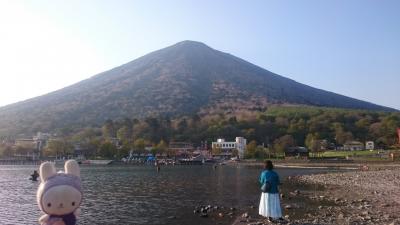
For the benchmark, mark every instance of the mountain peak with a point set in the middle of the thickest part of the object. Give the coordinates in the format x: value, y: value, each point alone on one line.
x: 186, y: 78
x: 190, y: 45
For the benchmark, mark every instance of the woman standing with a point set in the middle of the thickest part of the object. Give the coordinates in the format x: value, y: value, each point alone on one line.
x: 270, y: 205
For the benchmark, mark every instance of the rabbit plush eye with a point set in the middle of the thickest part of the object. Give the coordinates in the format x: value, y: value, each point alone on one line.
x: 49, y: 204
x: 73, y: 203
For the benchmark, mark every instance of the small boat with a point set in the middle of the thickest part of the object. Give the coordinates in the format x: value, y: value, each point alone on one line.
x: 190, y: 162
x: 59, y: 161
x: 97, y: 162
x: 210, y: 161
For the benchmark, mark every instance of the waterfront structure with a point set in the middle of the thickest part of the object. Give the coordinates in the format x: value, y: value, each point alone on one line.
x: 34, y: 146
x: 297, y: 152
x: 27, y: 143
x: 353, y: 146
x: 41, y: 140
x: 369, y: 145
x: 228, y: 147
x: 26, y: 148
x: 181, y: 149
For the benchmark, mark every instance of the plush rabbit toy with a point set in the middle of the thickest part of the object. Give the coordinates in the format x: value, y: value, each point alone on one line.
x: 60, y: 194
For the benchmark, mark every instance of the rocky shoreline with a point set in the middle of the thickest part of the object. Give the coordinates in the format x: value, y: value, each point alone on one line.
x: 355, y: 197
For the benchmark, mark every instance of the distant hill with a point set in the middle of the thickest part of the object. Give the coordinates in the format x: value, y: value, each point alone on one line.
x: 186, y: 78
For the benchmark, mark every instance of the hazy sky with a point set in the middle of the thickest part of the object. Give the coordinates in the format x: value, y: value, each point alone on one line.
x: 351, y: 47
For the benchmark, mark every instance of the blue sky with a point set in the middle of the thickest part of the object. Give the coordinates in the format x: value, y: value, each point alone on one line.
x: 350, y: 47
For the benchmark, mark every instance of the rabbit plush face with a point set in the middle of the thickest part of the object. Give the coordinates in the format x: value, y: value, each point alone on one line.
x: 61, y: 200
x: 59, y: 193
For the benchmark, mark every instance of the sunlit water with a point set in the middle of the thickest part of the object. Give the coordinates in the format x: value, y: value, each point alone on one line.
x: 138, y: 194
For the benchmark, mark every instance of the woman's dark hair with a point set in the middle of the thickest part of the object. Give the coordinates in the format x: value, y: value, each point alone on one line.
x: 268, y: 165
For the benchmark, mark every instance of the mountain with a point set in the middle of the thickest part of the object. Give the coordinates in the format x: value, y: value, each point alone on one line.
x: 186, y: 78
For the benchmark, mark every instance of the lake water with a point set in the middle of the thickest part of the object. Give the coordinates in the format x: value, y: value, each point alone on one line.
x: 140, y: 195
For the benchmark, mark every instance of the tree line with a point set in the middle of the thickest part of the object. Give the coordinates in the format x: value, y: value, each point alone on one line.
x: 276, y: 129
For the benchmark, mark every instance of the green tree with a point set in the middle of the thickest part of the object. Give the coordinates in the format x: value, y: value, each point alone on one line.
x: 92, y: 148
x: 108, y: 150
x: 153, y: 129
x: 89, y: 141
x: 376, y: 130
x: 315, y: 145
x: 123, y: 151
x: 139, y: 145
x: 389, y: 129
x: 309, y: 140
x: 22, y: 150
x: 124, y: 134
x: 250, y: 149
x: 342, y: 136
x: 85, y: 135
x: 283, y: 143
x: 6, y: 151
x: 58, y: 147
x: 361, y: 128
x: 260, y: 153
x: 161, y: 147
x: 108, y: 129
x: 298, y: 129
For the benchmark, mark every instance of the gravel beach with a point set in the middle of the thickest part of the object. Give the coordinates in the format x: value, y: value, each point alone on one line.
x: 355, y: 197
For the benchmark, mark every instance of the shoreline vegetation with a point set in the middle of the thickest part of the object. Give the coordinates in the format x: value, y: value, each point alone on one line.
x: 269, y: 133
x: 360, y: 196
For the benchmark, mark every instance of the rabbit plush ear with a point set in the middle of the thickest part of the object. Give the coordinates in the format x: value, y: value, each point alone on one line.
x: 47, y: 170
x: 72, y: 167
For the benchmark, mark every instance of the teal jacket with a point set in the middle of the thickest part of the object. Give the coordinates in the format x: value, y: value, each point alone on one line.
x: 272, y: 177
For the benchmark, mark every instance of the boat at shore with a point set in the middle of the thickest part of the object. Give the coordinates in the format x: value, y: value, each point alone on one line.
x: 190, y: 162
x: 97, y: 162
x: 198, y: 160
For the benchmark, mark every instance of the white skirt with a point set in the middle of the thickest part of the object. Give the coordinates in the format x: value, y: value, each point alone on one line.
x: 270, y: 205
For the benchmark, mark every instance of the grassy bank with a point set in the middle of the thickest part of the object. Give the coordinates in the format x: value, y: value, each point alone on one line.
x: 365, y: 153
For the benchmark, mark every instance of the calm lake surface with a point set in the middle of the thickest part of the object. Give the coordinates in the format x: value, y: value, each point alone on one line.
x: 140, y: 195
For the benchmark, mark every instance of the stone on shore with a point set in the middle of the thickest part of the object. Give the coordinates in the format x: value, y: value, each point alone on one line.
x: 357, y: 197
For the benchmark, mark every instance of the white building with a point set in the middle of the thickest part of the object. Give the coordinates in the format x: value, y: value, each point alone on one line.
x: 228, y: 146
x: 369, y: 145
x: 41, y: 140
x: 353, y: 146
